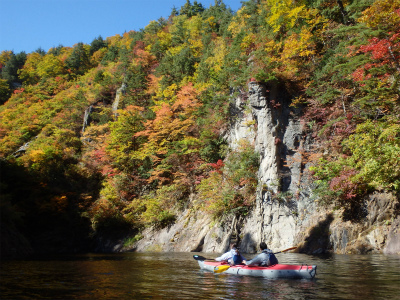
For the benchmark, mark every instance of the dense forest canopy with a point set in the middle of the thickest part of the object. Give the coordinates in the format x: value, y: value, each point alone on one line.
x: 136, y: 162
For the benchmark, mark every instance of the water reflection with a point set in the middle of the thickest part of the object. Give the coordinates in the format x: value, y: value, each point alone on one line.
x: 177, y: 276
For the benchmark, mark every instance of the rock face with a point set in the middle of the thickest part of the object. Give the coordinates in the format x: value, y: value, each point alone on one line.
x: 86, y: 117
x: 283, y: 203
x: 191, y: 232
x: 117, y: 99
x: 285, y: 214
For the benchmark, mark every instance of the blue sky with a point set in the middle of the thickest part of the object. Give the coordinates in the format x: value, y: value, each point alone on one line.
x: 26, y: 25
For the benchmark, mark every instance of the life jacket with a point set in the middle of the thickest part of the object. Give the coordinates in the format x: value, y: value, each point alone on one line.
x: 237, y: 258
x: 272, y: 259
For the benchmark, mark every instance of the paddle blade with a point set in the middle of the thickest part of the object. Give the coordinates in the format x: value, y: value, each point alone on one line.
x: 285, y: 250
x: 289, y: 249
x: 221, y: 269
x: 198, y: 257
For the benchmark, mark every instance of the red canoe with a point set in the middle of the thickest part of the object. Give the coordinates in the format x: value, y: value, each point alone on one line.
x: 275, y: 271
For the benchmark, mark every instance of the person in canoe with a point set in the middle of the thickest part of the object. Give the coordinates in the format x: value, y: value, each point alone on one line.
x: 233, y: 256
x: 265, y: 258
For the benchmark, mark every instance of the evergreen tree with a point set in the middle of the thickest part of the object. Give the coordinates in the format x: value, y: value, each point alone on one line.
x: 5, y: 91
x: 41, y: 51
x: 55, y: 50
x: 191, y: 10
x: 174, y: 12
x: 111, y: 55
x: 221, y: 14
x: 10, y: 70
x: 78, y: 61
x: 97, y: 44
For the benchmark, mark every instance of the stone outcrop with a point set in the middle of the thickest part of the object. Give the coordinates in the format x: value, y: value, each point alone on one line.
x: 286, y: 213
x: 191, y: 232
x: 86, y: 117
x: 21, y: 150
x: 117, y: 99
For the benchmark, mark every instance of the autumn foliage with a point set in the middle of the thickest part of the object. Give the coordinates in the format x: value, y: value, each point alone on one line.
x: 137, y: 163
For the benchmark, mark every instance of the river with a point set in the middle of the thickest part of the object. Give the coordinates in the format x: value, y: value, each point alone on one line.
x: 177, y: 276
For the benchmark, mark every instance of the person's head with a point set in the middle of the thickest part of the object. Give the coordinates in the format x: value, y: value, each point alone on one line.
x: 234, y: 246
x: 263, y: 246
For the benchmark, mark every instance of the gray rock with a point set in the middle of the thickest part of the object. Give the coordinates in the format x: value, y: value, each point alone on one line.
x: 286, y: 213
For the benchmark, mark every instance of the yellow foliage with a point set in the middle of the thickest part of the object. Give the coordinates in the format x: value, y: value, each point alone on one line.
x: 65, y: 53
x: 151, y: 25
x: 210, y: 194
x: 126, y: 40
x: 165, y: 38
x: 298, y: 45
x: 196, y: 46
x: 108, y: 72
x: 114, y: 40
x: 220, y: 51
x: 176, y: 50
x: 286, y: 56
x: 108, y: 193
x: 382, y: 12
x: 36, y: 156
x: 283, y: 12
x: 271, y: 46
x: 201, y: 86
x: 170, y: 91
x: 194, y: 25
x: 98, y: 55
x: 286, y: 13
x: 187, y: 79
x: 69, y: 152
x: 178, y: 21
x: 239, y: 22
x: 50, y: 66
x: 211, y: 22
x: 4, y: 57
x: 247, y: 41
x: 29, y: 72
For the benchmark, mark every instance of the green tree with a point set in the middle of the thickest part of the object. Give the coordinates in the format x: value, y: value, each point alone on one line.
x: 221, y: 15
x: 50, y: 66
x: 5, y: 91
x: 10, y: 71
x: 28, y: 74
x: 191, y: 10
x: 97, y: 44
x: 40, y: 51
x: 56, y: 50
x: 78, y: 62
x: 111, y: 55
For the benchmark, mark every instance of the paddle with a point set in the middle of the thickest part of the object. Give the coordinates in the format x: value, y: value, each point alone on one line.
x: 286, y: 250
x: 223, y: 268
x: 198, y: 257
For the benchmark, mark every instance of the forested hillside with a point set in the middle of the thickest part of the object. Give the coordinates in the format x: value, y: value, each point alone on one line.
x: 117, y: 135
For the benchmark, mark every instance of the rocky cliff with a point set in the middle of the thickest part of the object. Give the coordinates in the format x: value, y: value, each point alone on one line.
x: 286, y: 212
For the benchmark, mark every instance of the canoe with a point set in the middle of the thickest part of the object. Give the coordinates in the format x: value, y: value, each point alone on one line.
x: 275, y: 271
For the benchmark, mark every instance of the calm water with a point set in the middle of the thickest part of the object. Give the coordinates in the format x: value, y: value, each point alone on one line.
x: 177, y: 276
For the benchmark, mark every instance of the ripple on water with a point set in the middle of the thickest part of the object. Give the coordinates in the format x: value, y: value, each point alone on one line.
x: 177, y: 276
